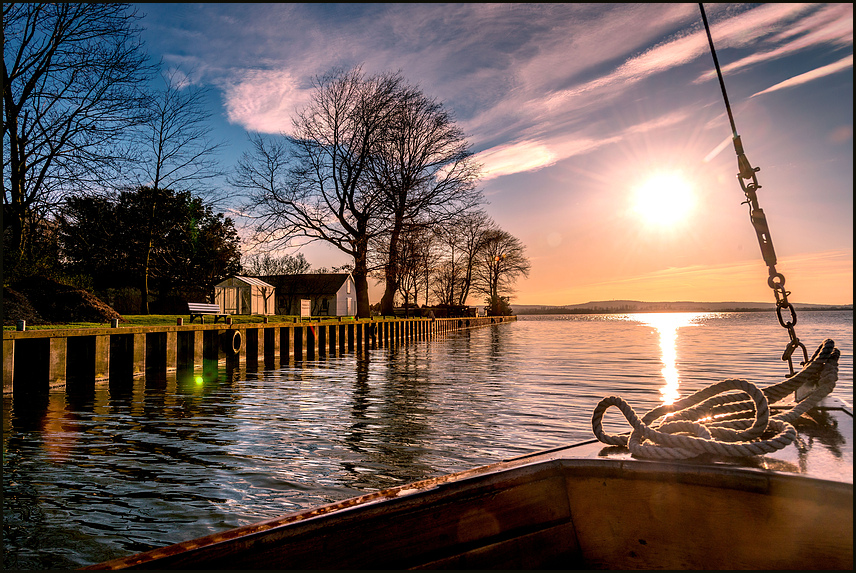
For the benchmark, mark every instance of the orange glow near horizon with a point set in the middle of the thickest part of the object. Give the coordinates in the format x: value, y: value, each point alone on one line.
x: 821, y: 278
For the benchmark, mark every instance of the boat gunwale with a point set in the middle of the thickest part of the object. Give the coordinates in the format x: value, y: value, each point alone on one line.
x: 562, y: 460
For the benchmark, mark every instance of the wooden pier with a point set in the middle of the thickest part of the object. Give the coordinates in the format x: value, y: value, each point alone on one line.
x: 35, y: 361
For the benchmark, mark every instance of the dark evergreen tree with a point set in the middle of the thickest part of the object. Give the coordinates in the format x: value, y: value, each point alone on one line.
x: 155, y: 240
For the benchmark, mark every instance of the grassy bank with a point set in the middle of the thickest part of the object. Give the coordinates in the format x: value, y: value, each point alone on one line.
x: 170, y: 320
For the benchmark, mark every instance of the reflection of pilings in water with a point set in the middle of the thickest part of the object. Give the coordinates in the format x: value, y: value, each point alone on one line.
x: 388, y: 422
x: 35, y: 361
x: 359, y: 410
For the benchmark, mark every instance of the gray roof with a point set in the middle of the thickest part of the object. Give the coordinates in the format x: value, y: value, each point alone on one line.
x: 312, y: 283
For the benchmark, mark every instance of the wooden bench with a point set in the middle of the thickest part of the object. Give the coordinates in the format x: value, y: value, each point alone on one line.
x: 201, y: 309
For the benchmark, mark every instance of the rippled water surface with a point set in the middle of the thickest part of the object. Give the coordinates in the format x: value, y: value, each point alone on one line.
x: 117, y: 471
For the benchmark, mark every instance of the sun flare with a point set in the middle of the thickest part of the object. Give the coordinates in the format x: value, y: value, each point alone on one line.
x: 664, y: 199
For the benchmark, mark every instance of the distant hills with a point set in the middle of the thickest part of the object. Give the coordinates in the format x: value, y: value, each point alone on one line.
x: 618, y: 306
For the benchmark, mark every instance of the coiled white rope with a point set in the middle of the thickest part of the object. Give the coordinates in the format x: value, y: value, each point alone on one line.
x: 711, y: 421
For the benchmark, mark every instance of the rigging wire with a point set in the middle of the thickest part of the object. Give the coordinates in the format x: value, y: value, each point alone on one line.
x: 749, y: 182
x: 718, y: 71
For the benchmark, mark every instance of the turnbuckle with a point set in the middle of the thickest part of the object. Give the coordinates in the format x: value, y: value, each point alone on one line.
x: 759, y: 221
x: 776, y: 280
x: 756, y: 214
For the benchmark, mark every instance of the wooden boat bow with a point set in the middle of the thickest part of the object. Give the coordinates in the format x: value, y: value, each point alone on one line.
x: 581, y: 506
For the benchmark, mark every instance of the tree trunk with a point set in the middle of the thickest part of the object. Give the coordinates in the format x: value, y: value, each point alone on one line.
x: 361, y: 284
x: 361, y: 281
x: 391, y: 271
x: 144, y: 294
x: 15, y: 222
x: 387, y: 302
x: 144, y: 290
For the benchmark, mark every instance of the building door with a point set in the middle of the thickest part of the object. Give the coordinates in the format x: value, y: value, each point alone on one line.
x: 245, y: 307
x: 230, y: 302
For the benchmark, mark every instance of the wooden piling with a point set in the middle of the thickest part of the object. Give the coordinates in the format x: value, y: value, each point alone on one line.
x: 36, y: 360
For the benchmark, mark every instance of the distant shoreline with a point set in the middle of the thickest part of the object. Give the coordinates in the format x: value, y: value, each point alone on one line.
x: 620, y: 307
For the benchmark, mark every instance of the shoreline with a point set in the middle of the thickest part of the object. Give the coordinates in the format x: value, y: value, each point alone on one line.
x: 672, y: 307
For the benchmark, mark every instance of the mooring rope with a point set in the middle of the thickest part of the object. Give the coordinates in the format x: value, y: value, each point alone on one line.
x: 717, y: 420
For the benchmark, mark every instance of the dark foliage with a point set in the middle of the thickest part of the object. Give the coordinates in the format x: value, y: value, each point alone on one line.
x: 161, y: 242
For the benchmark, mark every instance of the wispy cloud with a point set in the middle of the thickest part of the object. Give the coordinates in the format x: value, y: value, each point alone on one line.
x: 492, y: 64
x: 532, y: 155
x: 826, y: 25
x: 263, y: 100
x: 840, y: 65
x: 515, y: 158
x: 736, y: 31
x: 526, y: 156
x: 537, y: 77
x: 830, y: 25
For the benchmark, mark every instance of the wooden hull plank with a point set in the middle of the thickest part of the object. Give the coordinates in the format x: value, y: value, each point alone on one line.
x: 581, y: 506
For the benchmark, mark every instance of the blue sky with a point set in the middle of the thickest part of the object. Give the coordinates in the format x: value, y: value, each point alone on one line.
x: 573, y: 111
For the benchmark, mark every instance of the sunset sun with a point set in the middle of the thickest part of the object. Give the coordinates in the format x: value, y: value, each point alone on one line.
x: 664, y: 199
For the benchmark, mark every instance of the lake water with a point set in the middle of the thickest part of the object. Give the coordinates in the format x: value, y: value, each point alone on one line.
x: 93, y: 477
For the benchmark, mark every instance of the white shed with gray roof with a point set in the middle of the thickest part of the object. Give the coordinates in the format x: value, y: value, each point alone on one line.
x: 245, y: 295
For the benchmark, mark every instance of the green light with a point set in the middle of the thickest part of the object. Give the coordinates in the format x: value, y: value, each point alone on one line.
x: 199, y: 380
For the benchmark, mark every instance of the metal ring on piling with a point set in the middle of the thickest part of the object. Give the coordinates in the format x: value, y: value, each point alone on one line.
x: 231, y: 341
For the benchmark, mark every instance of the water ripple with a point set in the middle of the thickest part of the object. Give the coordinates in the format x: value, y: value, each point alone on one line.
x: 92, y: 477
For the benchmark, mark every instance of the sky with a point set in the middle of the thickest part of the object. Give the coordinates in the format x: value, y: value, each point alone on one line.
x: 601, y: 128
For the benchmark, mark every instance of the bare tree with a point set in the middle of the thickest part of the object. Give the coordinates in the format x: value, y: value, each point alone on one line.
x: 501, y: 260
x: 419, y: 265
x: 461, y: 242
x: 447, y: 267
x: 426, y: 172
x: 414, y: 256
x: 176, y: 150
x: 313, y: 183
x: 265, y: 264
x: 471, y: 230
x: 73, y: 75
x: 346, y: 268
x: 444, y: 277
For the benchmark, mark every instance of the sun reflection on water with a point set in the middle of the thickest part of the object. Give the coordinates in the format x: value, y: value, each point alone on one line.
x: 667, y: 325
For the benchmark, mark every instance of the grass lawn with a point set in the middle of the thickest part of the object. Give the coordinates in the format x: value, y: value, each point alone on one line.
x: 170, y: 320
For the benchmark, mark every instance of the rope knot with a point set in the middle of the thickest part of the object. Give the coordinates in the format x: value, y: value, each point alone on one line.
x: 728, y: 418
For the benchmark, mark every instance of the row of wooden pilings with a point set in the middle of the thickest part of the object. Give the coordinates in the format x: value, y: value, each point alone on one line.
x: 36, y: 361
